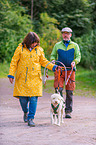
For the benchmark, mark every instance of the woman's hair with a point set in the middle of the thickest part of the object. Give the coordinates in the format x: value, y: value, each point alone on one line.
x: 30, y: 38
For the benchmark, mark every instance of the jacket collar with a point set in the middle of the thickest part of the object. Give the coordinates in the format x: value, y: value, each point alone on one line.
x: 35, y: 47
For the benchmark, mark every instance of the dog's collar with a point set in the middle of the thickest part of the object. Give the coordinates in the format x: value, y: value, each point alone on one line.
x: 55, y: 108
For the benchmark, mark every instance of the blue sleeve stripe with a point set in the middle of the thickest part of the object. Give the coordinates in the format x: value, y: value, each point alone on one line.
x: 9, y: 76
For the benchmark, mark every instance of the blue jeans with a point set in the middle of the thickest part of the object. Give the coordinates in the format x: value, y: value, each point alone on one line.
x: 32, y: 105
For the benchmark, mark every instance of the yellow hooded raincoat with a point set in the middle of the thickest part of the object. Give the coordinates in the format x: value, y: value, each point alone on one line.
x: 27, y: 65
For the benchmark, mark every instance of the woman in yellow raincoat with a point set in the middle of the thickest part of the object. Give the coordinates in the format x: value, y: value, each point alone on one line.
x: 26, y: 63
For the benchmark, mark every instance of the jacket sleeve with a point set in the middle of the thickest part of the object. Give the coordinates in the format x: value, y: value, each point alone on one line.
x: 54, y: 53
x: 44, y: 62
x: 77, y: 54
x: 14, y: 62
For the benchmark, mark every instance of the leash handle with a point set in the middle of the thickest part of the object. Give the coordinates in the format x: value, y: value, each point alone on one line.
x: 59, y: 73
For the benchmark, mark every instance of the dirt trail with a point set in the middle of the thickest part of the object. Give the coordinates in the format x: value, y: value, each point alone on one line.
x: 80, y: 130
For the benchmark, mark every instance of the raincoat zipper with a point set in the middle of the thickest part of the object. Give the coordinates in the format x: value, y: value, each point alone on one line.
x: 26, y: 74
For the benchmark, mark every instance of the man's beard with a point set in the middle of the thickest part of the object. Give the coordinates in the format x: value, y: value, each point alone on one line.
x: 65, y: 38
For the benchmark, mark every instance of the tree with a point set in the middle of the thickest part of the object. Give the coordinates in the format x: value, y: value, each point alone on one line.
x: 14, y: 25
x: 92, y: 5
x: 31, y: 10
x: 49, y: 34
x: 87, y: 45
x: 38, y: 7
x: 72, y: 13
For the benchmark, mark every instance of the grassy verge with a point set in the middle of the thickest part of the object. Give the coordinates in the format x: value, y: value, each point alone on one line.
x: 4, y: 70
x: 85, y: 83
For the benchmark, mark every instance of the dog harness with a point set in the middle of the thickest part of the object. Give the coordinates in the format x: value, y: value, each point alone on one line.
x: 55, y: 108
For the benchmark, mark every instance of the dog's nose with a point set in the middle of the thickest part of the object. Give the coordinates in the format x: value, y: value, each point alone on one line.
x: 55, y: 101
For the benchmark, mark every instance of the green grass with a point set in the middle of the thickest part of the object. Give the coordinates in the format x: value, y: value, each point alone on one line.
x: 85, y: 80
x: 50, y: 73
x: 4, y: 70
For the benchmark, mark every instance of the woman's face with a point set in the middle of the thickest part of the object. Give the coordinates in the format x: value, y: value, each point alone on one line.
x: 33, y: 44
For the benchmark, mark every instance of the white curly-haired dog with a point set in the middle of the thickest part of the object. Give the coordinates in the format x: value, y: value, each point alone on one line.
x: 57, y: 109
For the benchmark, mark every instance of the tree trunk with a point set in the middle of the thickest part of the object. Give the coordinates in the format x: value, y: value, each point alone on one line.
x: 31, y: 9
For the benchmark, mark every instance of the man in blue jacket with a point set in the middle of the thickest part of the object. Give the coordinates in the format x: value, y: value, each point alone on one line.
x: 67, y: 52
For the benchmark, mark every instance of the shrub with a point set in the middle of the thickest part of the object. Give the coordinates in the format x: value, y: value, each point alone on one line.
x: 49, y: 33
x: 14, y: 25
x: 87, y: 45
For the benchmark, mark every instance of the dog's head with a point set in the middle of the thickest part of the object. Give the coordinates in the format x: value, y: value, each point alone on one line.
x: 55, y: 99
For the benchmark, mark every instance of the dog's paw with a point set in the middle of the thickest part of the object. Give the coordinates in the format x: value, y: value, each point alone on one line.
x: 52, y: 122
x: 62, y: 121
x: 58, y: 124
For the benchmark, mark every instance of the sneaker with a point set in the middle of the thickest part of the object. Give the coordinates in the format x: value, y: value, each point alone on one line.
x: 68, y: 115
x: 25, y: 117
x: 31, y: 123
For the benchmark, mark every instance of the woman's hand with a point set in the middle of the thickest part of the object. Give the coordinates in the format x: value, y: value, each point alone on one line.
x: 11, y: 80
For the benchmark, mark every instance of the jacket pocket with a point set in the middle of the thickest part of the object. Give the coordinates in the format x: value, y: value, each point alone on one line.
x: 26, y: 74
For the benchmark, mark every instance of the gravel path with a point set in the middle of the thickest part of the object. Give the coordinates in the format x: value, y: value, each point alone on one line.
x: 80, y: 130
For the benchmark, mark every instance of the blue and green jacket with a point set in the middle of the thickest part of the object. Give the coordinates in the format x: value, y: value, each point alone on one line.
x: 66, y: 52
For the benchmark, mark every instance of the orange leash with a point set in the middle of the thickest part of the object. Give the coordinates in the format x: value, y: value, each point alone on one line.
x: 67, y: 79
x: 69, y: 76
x: 59, y: 73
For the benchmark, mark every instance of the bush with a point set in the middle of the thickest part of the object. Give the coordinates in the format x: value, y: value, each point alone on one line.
x: 14, y: 25
x: 49, y: 33
x: 87, y: 45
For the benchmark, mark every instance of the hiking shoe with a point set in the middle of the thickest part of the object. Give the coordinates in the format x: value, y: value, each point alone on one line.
x: 25, y: 117
x: 68, y: 115
x: 31, y: 123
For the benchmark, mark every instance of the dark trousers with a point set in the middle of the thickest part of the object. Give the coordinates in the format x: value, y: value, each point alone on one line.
x: 69, y: 88
x: 69, y: 101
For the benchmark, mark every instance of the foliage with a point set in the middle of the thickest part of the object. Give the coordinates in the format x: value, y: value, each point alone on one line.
x: 49, y: 33
x: 72, y: 13
x: 92, y: 4
x: 14, y: 25
x: 87, y: 45
x: 4, y: 70
x: 48, y: 16
x: 39, y: 7
x: 80, y: 15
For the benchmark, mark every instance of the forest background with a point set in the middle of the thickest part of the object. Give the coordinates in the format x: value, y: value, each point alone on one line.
x: 47, y: 18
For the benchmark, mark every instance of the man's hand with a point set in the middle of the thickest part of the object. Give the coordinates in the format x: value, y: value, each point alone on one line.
x: 73, y: 63
x: 11, y: 80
